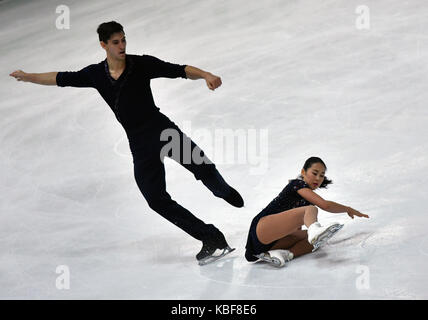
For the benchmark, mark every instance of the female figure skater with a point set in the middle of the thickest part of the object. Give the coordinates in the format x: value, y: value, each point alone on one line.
x: 275, y: 234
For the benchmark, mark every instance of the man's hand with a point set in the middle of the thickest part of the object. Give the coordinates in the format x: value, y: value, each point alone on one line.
x: 213, y: 82
x: 47, y: 78
x: 351, y: 212
x: 20, y: 75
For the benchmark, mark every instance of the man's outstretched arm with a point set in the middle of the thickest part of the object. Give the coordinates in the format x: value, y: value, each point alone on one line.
x: 213, y: 81
x: 47, y: 78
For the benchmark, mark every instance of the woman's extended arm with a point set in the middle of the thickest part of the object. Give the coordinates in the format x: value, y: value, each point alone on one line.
x: 329, y: 206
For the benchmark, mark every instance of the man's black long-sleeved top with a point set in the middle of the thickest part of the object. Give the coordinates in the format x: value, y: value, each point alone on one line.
x: 130, y: 96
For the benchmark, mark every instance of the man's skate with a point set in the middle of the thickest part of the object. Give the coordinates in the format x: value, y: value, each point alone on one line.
x: 210, y: 256
x: 277, y: 258
x: 234, y: 198
x: 213, y: 249
x: 319, y: 235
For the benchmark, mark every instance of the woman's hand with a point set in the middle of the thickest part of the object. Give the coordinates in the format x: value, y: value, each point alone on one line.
x: 352, y: 212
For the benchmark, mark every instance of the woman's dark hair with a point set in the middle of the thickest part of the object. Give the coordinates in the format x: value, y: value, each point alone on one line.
x: 106, y: 29
x: 309, y: 162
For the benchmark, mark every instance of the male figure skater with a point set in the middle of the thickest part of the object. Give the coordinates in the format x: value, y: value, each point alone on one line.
x: 123, y: 81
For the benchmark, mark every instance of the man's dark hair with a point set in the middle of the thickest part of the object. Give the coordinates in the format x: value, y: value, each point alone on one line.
x: 106, y: 29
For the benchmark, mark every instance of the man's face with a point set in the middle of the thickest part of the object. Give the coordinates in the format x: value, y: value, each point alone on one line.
x: 115, y: 46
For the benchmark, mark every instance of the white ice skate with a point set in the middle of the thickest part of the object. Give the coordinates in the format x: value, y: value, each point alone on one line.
x: 277, y: 258
x: 319, y: 235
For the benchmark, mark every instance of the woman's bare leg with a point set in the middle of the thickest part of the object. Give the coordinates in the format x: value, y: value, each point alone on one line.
x: 277, y: 226
x: 297, y: 243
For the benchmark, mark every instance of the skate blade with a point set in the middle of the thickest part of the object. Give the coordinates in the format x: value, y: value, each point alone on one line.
x: 271, y: 260
x: 323, y: 238
x: 211, y: 259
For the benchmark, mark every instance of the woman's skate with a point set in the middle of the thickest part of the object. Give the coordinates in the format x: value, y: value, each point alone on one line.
x: 319, y: 235
x: 277, y: 258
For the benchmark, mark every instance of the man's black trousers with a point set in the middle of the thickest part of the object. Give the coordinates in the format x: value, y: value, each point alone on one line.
x: 149, y: 172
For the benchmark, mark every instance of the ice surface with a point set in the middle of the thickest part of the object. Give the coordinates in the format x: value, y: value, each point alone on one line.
x: 301, y: 70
